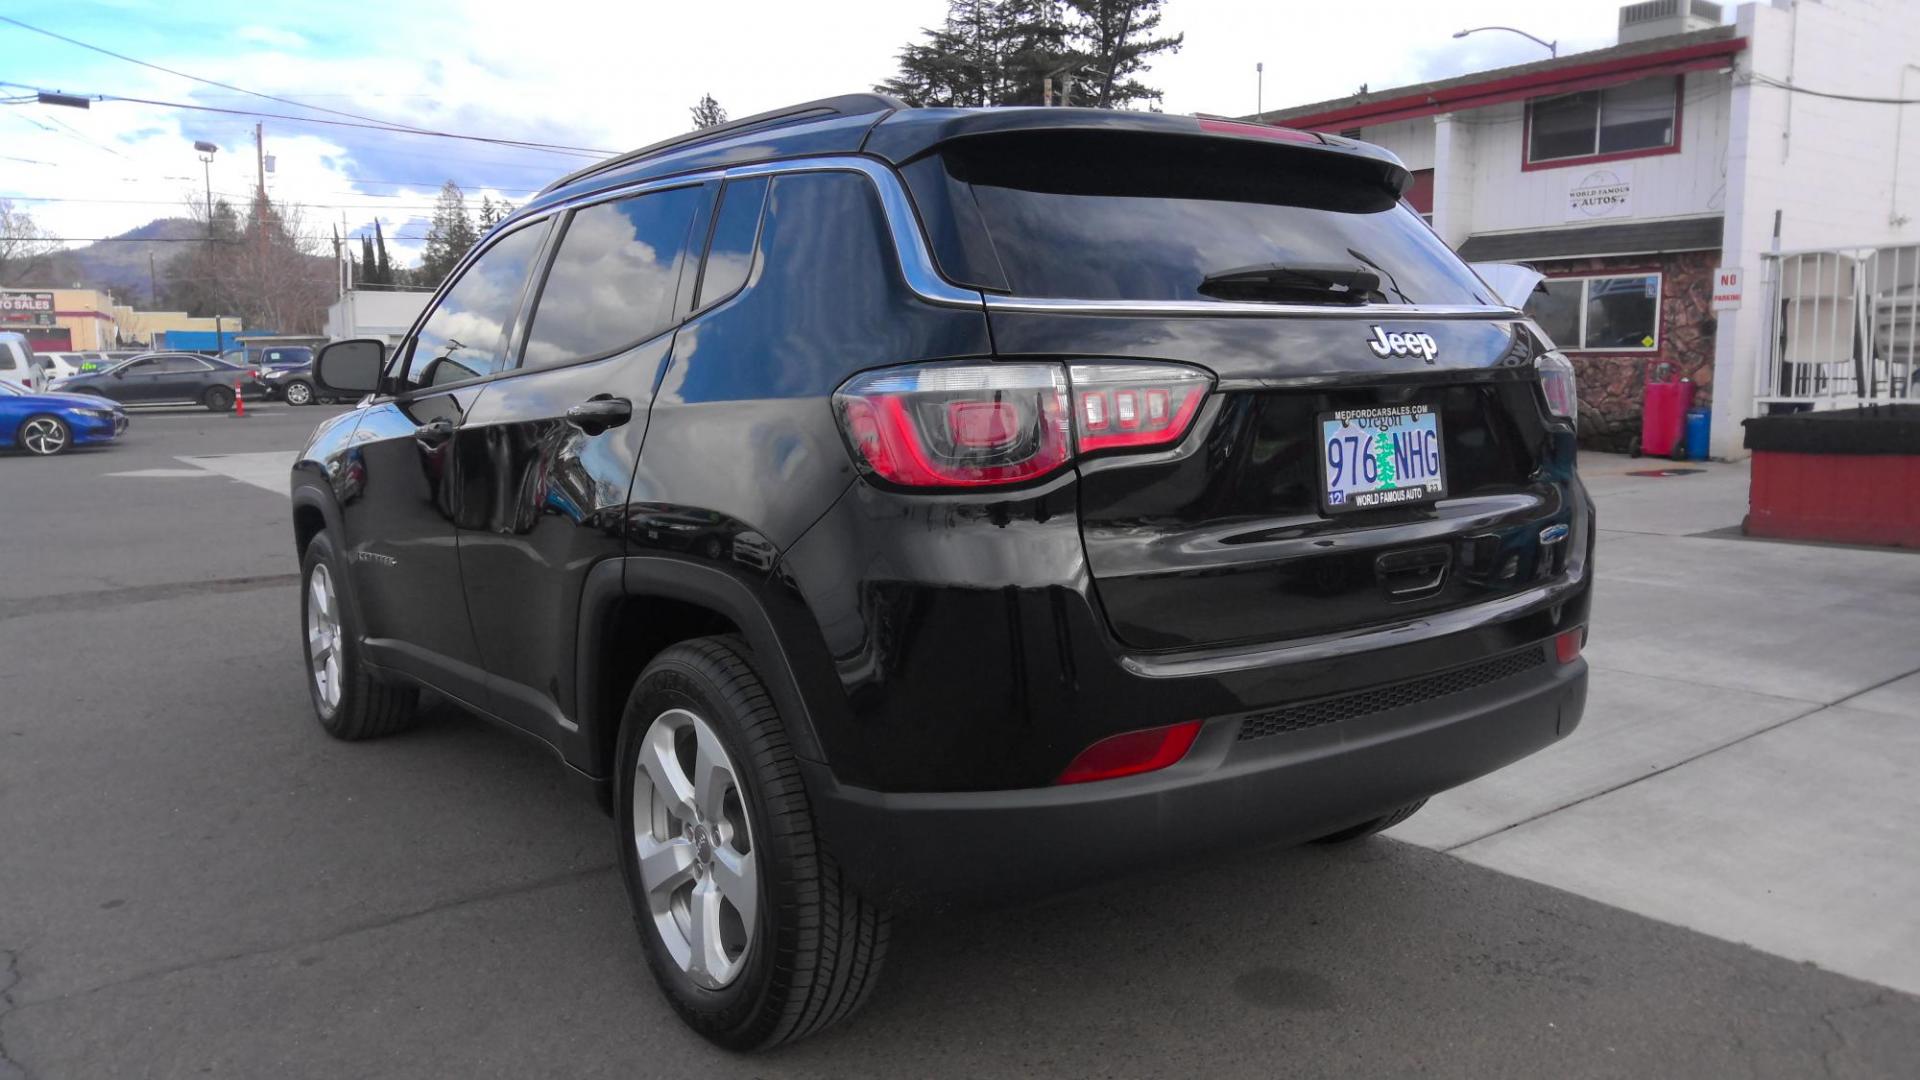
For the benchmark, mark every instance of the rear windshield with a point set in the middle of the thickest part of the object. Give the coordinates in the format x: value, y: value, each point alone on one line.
x: 1103, y: 217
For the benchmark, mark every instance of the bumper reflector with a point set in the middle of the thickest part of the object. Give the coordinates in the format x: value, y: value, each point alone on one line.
x: 1566, y: 647
x: 1131, y: 753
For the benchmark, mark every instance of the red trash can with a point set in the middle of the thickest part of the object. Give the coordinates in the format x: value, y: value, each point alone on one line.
x: 1663, y: 414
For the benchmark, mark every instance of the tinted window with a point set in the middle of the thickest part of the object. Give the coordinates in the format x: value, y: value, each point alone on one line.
x: 1095, y: 216
x: 730, y: 255
x: 470, y: 325
x: 612, y: 282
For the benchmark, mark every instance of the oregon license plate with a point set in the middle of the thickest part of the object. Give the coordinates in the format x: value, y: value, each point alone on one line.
x: 1388, y: 456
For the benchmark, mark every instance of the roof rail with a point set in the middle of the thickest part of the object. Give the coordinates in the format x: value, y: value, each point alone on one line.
x: 843, y: 105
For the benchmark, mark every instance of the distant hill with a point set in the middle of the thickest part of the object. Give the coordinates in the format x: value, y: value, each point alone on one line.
x: 120, y: 265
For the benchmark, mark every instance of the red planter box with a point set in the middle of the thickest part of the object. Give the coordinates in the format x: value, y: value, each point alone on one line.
x: 1851, y: 476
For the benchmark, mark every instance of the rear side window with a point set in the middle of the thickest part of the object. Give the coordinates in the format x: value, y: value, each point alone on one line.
x: 612, y: 283
x: 735, y: 230
x: 1099, y: 216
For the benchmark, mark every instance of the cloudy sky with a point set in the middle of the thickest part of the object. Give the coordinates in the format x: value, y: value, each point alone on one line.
x: 600, y: 76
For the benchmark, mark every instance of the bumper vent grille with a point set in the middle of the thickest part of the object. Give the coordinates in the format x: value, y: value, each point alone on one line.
x: 1366, y: 702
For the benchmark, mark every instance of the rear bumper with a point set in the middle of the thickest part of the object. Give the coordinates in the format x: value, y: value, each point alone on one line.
x: 1229, y: 791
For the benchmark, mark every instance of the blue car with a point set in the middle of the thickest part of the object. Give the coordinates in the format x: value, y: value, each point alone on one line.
x: 46, y: 424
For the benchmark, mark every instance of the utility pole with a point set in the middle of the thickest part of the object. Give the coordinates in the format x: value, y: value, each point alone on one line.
x: 1259, y: 90
x: 153, y: 291
x: 260, y: 198
x: 207, y: 150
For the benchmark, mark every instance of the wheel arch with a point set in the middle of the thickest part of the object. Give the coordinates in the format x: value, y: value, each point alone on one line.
x: 633, y: 607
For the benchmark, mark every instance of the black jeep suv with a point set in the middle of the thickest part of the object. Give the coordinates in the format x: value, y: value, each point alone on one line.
x: 885, y: 504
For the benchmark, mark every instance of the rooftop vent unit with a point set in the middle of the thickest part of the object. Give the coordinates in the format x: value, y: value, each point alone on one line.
x: 1664, y: 18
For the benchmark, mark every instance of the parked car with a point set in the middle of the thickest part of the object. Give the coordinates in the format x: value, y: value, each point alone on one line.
x: 170, y: 378
x: 1027, y: 496
x: 293, y: 384
x: 63, y: 365
x: 48, y: 424
x: 19, y: 367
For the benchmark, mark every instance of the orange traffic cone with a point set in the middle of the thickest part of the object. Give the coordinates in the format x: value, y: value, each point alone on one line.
x: 239, y: 402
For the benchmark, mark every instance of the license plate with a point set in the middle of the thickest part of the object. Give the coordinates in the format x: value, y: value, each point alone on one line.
x: 1387, y: 456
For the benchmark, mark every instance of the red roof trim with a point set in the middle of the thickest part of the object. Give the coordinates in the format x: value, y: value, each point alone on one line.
x: 1558, y: 80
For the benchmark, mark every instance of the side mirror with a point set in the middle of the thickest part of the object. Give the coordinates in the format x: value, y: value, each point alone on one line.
x: 445, y: 369
x: 350, y: 368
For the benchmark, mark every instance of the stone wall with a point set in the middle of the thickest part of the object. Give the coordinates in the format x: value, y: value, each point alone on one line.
x: 1610, y: 384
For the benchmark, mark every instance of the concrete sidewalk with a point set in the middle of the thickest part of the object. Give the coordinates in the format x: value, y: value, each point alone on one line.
x: 1749, y: 765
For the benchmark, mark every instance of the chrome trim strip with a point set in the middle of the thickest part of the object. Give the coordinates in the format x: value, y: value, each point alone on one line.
x: 1230, y: 308
x: 916, y: 260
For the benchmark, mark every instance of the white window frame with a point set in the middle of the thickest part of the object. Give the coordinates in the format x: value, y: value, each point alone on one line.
x: 1659, y: 297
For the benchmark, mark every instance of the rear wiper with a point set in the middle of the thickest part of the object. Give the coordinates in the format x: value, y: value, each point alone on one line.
x: 1323, y: 283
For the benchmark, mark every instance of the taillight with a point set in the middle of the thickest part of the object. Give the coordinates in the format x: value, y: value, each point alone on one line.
x: 978, y: 424
x: 958, y: 425
x: 1557, y: 380
x: 1134, y: 405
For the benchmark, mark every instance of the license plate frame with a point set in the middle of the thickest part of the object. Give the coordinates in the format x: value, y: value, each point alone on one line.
x: 1351, y: 424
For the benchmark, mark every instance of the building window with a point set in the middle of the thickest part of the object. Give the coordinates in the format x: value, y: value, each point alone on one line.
x: 1621, y: 121
x: 1600, y: 314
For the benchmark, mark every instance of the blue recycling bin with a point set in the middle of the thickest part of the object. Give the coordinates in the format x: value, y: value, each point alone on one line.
x: 1699, y: 427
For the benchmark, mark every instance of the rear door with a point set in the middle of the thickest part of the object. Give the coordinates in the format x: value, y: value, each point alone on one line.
x: 547, y: 454
x: 1375, y: 449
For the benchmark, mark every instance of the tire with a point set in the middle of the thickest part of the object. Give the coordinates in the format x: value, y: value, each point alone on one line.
x: 298, y: 393
x: 1368, y: 828
x: 43, y: 435
x: 358, y: 706
x: 217, y: 398
x: 811, y: 951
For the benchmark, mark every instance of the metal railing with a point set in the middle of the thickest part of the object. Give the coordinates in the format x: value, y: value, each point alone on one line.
x: 1842, y: 327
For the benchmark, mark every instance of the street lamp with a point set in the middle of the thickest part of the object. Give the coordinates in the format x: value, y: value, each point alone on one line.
x: 1552, y: 47
x: 207, y: 150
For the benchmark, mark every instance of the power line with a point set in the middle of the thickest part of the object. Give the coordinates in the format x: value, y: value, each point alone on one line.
x: 552, y: 148
x: 370, y: 121
x: 1764, y: 80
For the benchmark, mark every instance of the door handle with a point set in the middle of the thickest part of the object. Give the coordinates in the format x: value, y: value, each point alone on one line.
x: 434, y: 432
x: 597, y: 414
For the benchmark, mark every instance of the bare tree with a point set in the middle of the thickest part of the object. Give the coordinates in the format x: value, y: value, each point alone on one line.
x: 263, y: 268
x: 24, y: 248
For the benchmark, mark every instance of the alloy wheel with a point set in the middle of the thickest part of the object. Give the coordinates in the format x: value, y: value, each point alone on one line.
x: 697, y: 863
x: 43, y: 435
x: 323, y: 636
x: 299, y: 393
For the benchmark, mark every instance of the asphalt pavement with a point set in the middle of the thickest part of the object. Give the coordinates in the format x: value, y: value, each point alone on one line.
x: 194, y: 880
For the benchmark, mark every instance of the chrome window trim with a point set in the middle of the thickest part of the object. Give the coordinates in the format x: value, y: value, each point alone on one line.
x: 924, y: 278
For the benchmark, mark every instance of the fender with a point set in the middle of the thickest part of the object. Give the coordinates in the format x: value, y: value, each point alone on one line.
x: 616, y: 581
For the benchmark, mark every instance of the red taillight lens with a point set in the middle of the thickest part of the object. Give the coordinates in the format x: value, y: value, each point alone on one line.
x: 958, y: 425
x: 1134, y: 405
x: 1132, y: 753
x: 1566, y: 647
x: 983, y: 423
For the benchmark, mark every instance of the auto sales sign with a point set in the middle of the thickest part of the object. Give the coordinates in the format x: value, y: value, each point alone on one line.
x: 18, y: 308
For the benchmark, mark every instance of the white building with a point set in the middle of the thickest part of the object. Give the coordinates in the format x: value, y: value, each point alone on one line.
x: 375, y: 313
x: 1630, y: 174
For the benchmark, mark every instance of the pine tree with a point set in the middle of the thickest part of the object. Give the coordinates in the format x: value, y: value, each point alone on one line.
x: 1118, y: 39
x: 384, y: 269
x: 448, y: 237
x: 708, y: 112
x: 1004, y: 52
x: 366, y: 272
